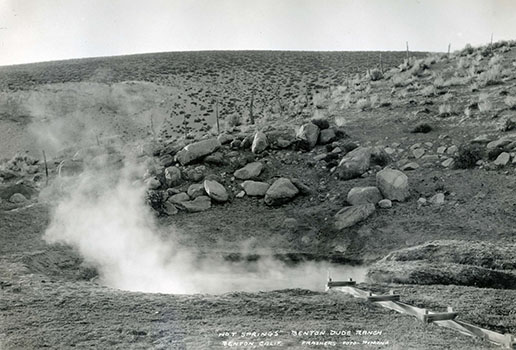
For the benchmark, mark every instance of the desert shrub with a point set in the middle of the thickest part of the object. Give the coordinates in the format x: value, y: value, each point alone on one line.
x: 234, y: 119
x: 422, y: 128
x: 363, y: 104
x: 463, y: 63
x: 492, y: 76
x: 510, y: 101
x: 467, y: 50
x: 484, y: 104
x: 402, y: 80
x: 375, y: 74
x: 468, y: 155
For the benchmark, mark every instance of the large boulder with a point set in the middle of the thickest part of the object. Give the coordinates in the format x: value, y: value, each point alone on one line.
x: 393, y: 184
x: 197, y: 150
x: 349, y: 216
x: 308, y: 135
x: 215, y: 190
x: 172, y: 176
x: 250, y: 171
x: 255, y: 188
x: 200, y: 203
x: 355, y: 163
x: 260, y: 143
x: 364, y: 195
x: 281, y: 191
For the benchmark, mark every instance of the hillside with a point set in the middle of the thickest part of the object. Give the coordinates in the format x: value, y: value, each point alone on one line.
x: 404, y: 173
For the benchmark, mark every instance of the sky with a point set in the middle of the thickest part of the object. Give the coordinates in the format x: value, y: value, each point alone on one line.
x: 45, y: 30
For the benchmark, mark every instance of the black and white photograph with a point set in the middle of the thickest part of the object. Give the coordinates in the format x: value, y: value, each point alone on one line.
x: 257, y: 174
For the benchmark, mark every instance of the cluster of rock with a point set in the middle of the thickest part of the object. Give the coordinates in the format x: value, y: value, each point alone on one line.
x: 391, y: 185
x: 19, y: 178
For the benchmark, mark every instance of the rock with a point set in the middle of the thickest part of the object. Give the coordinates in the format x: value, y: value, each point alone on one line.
x: 421, y: 201
x: 196, y: 174
x: 430, y: 158
x: 281, y: 191
x: 283, y: 143
x: 250, y: 171
x: 348, y: 146
x: 172, y: 176
x: 152, y: 183
x: 255, y: 188
x: 166, y: 160
x: 260, y: 143
x: 349, y: 216
x: 178, y: 198
x: 452, y: 150
x: 364, y: 195
x: 225, y: 138
x: 240, y: 194
x: 393, y: 184
x: 438, y: 198
x: 196, y: 190
x: 510, y: 124
x: 502, y: 159
x: 236, y: 144
x: 482, y: 139
x: 216, y: 158
x: 215, y: 190
x: 322, y: 123
x: 355, y: 163
x: 418, y: 153
x: 326, y: 136
x: 169, y: 208
x: 307, y: 136
x: 200, y: 203
x: 197, y: 150
x: 320, y: 157
x: 500, y: 143
x: 337, y: 150
x: 441, y: 149
x: 410, y: 166
x: 18, y: 198
x: 448, y: 163
x: 303, y: 189
x: 390, y: 151
x: 385, y: 203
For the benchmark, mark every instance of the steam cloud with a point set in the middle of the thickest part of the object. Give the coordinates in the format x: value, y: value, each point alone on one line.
x: 102, y: 213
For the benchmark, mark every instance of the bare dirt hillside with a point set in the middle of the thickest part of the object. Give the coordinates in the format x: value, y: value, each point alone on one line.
x: 406, y: 170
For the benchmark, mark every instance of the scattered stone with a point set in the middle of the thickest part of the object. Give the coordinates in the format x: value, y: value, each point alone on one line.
x: 448, y: 163
x: 349, y: 216
x: 452, y: 150
x: 510, y: 124
x: 18, y: 198
x: 336, y: 150
x: 389, y: 150
x: 364, y: 195
x: 320, y: 157
x: 152, y: 183
x: 385, y: 203
x: 197, y: 150
x: 169, y: 208
x: 321, y: 123
x: 438, y: 198
x: 482, y: 139
x: 502, y: 159
x: 441, y: 149
x: 178, y: 198
x: 235, y: 144
x: 430, y: 158
x: 421, y: 201
x: 429, y: 144
x: 500, y: 143
x: 196, y: 190
x: 216, y: 158
x: 225, y: 138
x: 199, y: 204
x: 307, y: 136
x: 215, y: 190
x: 260, y: 143
x: 303, y: 189
x: 172, y: 176
x: 283, y: 143
x: 355, y: 163
x: 166, y: 160
x: 326, y: 136
x: 255, y: 188
x: 250, y: 171
x: 410, y: 166
x: 418, y: 153
x: 240, y: 194
x: 393, y: 184
x: 281, y: 191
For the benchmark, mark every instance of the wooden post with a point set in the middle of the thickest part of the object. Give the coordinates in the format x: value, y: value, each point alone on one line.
x: 251, y: 116
x: 217, y: 116
x: 152, y: 126
x: 381, y: 63
x: 449, y: 46
x: 407, y: 52
x: 46, y: 166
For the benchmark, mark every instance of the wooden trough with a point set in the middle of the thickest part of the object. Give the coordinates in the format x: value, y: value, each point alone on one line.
x: 443, y: 319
